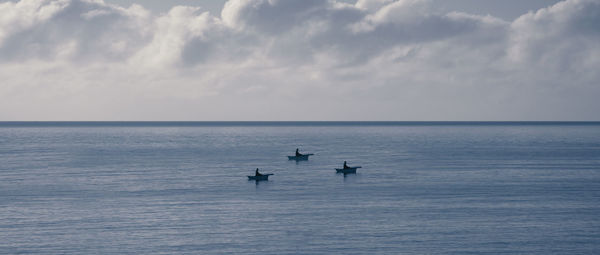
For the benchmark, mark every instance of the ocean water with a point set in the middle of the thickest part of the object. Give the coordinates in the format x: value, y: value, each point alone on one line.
x: 181, y: 188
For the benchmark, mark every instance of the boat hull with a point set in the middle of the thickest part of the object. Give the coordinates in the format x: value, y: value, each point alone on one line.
x: 350, y: 170
x: 298, y: 158
x: 264, y: 177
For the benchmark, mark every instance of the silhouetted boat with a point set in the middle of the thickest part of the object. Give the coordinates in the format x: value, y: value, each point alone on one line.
x: 349, y: 170
x: 264, y: 177
x: 301, y: 157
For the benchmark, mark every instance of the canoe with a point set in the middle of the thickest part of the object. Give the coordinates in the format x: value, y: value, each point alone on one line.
x: 303, y: 157
x: 264, y: 177
x: 350, y: 170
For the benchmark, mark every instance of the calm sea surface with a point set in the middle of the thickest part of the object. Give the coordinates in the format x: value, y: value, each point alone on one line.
x: 181, y: 188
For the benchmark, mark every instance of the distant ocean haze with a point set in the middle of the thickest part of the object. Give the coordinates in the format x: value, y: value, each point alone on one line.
x: 181, y: 187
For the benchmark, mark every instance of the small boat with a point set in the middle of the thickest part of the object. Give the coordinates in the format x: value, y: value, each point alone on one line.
x: 301, y: 157
x: 349, y: 170
x: 264, y: 177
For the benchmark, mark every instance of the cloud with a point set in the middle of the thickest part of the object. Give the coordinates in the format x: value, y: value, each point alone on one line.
x: 75, y: 30
x: 172, y: 33
x: 561, y: 38
x: 271, y: 16
x: 277, y: 60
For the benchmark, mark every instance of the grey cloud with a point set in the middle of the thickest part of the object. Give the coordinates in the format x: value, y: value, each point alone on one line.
x: 291, y: 32
x: 309, y: 28
x: 75, y: 30
x: 271, y: 16
x: 332, y: 30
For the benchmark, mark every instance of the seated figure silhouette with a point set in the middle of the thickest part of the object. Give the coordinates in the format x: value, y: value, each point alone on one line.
x: 257, y: 173
x: 298, y: 154
x: 345, y: 165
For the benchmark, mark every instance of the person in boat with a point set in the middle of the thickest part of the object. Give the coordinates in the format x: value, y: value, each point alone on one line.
x: 298, y: 154
x: 345, y: 165
x: 257, y: 173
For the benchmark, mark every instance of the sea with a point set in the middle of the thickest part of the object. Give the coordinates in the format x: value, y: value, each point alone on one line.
x: 182, y: 188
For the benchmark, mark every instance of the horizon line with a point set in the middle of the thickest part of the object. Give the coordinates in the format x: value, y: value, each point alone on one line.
x: 63, y: 121
x: 282, y: 123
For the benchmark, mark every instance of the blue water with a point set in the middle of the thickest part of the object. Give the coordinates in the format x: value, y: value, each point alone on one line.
x: 181, y: 188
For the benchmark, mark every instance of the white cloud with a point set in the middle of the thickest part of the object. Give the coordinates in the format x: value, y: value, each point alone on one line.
x: 286, y: 60
x: 560, y: 38
x: 372, y: 5
x: 171, y: 34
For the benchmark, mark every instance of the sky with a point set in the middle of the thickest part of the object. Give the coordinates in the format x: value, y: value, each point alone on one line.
x: 280, y: 60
